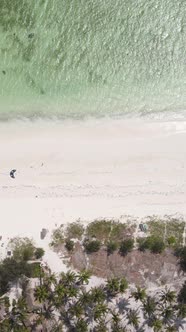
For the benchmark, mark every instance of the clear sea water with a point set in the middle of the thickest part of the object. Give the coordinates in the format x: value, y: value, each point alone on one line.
x: 84, y: 58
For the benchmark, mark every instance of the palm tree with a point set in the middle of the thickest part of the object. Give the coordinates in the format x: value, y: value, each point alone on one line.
x: 171, y: 328
x: 6, y: 302
x: 20, y: 311
x: 68, y: 278
x: 85, y: 298
x: 149, y: 307
x: 181, y: 307
x: 11, y: 325
x: 71, y: 291
x: 115, y: 321
x: 83, y: 277
x: 81, y: 326
x: 76, y: 310
x: 5, y: 325
x: 113, y: 286
x: 139, y: 294
x: 168, y: 315
x: 168, y: 296
x: 98, y: 295
x: 41, y: 293
x: 21, y: 304
x: 156, y: 324
x: 133, y: 318
x: 59, y: 291
x: 45, y: 315
x: 100, y: 310
x: 123, y: 285
x: 16, y: 318
x: 50, y: 280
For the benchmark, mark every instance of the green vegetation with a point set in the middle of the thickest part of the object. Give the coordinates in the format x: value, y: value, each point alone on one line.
x: 74, y: 231
x: 11, y: 270
x: 66, y: 304
x: 57, y: 236
x: 92, y: 246
x: 16, y: 267
x: 35, y: 270
x: 181, y: 253
x: 111, y: 247
x: 171, y: 240
x: 162, y: 233
x: 126, y: 246
x: 166, y: 232
x: 116, y: 285
x: 67, y: 296
x: 109, y: 230
x: 169, y: 229
x: 157, y: 246
x: 139, y: 294
x: 99, y: 229
x: 175, y: 228
x: 120, y: 231
x: 69, y: 245
x: 156, y: 227
x: 152, y: 243
x: 22, y: 248
x: 39, y: 253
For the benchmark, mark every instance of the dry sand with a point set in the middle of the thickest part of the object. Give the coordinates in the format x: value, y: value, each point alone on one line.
x: 87, y: 170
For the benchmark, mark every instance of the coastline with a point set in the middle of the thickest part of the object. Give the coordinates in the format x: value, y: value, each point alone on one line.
x: 87, y: 170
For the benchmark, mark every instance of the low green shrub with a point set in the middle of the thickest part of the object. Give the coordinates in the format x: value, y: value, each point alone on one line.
x: 152, y: 243
x: 171, y: 241
x: 111, y: 247
x: 100, y: 229
x: 118, y: 231
x: 69, y: 245
x: 22, y: 248
x: 57, y: 236
x: 126, y: 246
x: 92, y: 246
x: 74, y: 231
x: 36, y: 270
x: 156, y: 226
x: 39, y: 253
x: 158, y: 246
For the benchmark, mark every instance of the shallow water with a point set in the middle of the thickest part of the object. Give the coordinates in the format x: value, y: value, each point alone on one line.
x: 92, y: 58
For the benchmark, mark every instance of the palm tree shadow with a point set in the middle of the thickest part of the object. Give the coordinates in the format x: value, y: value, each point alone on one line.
x: 123, y: 305
x: 180, y: 323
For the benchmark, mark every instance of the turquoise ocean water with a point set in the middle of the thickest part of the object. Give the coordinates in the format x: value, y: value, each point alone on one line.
x: 81, y: 58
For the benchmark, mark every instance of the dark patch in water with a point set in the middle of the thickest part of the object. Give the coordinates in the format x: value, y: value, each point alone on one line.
x: 31, y: 35
x: 28, y: 51
x: 17, y: 13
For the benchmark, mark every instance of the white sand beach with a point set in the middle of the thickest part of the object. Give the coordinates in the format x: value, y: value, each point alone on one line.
x: 87, y: 170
